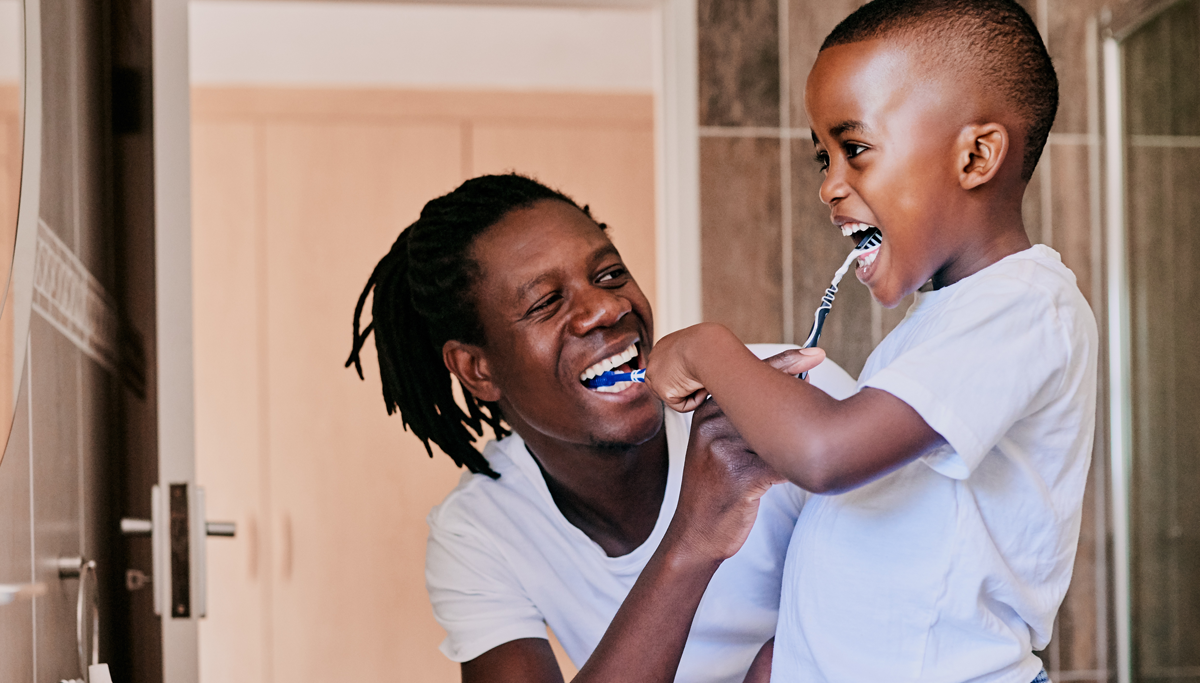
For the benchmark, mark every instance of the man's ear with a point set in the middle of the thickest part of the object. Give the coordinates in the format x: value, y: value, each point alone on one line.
x: 982, y: 149
x: 469, y: 364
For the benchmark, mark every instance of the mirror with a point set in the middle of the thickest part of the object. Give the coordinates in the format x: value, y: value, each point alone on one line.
x: 12, y: 145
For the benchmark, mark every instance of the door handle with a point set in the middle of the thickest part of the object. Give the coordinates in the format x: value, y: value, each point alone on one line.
x: 133, y: 527
x: 81, y: 568
x: 179, y: 571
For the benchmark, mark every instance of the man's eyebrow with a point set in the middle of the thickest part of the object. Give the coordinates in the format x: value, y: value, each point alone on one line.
x: 598, y: 254
x: 603, y: 251
x: 523, y: 290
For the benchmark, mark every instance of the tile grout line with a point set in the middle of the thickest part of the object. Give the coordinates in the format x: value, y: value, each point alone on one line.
x: 1046, y: 198
x: 785, y: 177
x: 754, y: 132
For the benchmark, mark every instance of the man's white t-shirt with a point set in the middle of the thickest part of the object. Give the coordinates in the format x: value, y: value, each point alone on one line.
x: 503, y: 563
x: 952, y: 568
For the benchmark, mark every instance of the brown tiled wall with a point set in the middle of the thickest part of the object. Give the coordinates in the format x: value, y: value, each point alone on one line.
x: 759, y: 193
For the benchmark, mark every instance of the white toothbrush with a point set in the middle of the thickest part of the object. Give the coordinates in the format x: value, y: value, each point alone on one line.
x: 867, y: 244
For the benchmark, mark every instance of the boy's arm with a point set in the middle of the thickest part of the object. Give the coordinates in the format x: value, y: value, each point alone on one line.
x: 760, y: 668
x: 817, y: 442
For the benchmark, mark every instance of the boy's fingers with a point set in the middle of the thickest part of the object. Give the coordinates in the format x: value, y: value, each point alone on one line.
x: 796, y: 361
x: 687, y: 404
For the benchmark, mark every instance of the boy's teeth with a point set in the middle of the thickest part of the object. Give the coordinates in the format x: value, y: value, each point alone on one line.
x: 849, y: 229
x: 868, y: 259
x: 608, y: 364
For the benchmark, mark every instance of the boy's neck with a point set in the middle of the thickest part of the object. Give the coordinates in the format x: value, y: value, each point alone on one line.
x: 995, y: 236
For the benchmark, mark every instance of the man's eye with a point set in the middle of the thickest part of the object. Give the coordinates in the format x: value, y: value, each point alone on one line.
x: 543, y: 304
x: 822, y: 159
x: 611, y: 275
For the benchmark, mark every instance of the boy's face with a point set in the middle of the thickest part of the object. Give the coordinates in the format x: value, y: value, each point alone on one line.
x: 885, y: 132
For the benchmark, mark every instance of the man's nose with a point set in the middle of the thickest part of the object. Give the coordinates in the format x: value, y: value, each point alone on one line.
x: 597, y: 308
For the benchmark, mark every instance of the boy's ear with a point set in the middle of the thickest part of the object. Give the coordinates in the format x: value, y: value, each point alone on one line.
x: 982, y: 149
x: 469, y: 364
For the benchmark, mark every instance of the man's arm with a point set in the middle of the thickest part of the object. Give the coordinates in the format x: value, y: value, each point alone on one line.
x: 818, y: 443
x: 723, y: 483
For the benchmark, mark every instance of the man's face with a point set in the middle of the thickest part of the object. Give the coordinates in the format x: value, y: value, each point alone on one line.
x: 555, y: 299
x: 884, y: 132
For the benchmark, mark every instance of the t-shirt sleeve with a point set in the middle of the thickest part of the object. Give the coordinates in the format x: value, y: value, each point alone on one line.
x: 475, y: 595
x: 994, y: 360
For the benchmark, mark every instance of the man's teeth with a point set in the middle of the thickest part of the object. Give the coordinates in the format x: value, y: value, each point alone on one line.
x: 849, y: 229
x: 868, y: 258
x: 610, y: 363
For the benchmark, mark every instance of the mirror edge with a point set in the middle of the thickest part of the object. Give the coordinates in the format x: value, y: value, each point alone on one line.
x: 25, y: 251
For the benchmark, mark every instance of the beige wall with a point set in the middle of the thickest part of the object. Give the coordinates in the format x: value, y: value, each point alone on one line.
x: 297, y: 193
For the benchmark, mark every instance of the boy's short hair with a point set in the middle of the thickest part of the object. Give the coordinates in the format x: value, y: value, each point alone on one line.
x: 992, y: 41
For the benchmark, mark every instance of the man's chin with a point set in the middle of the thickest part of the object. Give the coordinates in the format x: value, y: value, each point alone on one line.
x: 634, y: 435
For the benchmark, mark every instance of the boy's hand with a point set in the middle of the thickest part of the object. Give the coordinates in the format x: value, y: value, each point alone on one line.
x: 667, y: 371
x: 670, y: 370
x: 796, y: 361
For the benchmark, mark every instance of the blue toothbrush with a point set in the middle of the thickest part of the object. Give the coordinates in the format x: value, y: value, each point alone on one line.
x: 609, y: 378
x: 873, y: 239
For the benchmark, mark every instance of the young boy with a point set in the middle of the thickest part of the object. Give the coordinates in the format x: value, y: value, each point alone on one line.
x: 953, y: 479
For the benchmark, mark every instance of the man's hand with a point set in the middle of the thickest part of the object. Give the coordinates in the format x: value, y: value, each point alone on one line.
x: 723, y: 481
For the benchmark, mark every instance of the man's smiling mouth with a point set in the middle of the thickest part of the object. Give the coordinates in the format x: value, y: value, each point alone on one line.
x: 625, y: 361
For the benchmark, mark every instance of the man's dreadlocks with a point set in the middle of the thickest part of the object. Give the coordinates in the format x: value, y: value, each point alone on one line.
x: 423, y: 297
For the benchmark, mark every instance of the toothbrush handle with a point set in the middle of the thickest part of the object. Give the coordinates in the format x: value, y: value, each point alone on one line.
x: 819, y: 322
x: 815, y: 333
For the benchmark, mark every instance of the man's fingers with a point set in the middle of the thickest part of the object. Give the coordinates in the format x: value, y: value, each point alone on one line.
x: 796, y: 361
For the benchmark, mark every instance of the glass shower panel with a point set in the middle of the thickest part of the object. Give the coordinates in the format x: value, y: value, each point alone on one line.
x: 1162, y: 115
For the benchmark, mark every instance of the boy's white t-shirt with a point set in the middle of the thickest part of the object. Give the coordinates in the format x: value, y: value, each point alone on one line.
x: 502, y: 562
x: 952, y: 568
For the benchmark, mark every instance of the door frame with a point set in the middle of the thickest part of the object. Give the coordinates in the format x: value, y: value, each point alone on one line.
x: 677, y: 236
x: 1116, y: 28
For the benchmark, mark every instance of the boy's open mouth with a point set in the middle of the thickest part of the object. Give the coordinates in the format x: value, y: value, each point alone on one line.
x: 626, y: 361
x: 857, y: 231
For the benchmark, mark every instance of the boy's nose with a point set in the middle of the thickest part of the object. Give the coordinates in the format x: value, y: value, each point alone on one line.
x: 834, y: 187
x: 597, y: 308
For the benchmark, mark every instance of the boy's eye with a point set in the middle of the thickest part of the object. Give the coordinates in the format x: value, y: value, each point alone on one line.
x: 853, y: 149
x: 822, y: 159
